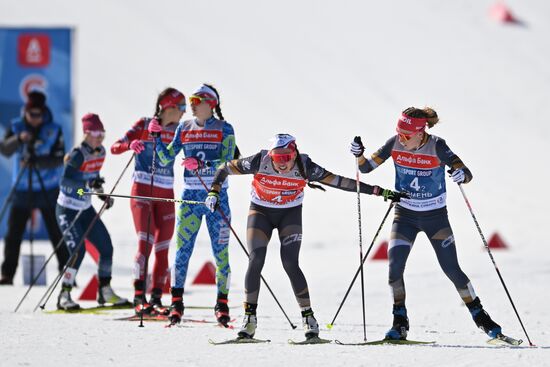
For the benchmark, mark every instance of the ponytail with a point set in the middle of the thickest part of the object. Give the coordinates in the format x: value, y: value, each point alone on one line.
x: 217, y: 109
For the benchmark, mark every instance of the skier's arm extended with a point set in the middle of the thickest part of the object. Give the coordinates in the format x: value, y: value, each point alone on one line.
x: 244, y: 166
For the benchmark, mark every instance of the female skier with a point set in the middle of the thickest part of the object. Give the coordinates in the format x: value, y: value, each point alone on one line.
x: 206, y: 142
x: 82, y: 166
x: 420, y: 159
x: 153, y: 220
x: 280, y: 176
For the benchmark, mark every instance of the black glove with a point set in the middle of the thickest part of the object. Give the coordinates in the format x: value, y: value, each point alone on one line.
x: 394, y: 196
x: 357, y: 148
x: 96, y: 183
x: 108, y: 200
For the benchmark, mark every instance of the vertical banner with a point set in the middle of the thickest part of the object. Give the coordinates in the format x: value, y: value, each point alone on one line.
x: 33, y: 58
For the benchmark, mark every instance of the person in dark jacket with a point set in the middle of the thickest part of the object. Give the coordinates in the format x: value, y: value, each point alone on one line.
x: 37, y: 144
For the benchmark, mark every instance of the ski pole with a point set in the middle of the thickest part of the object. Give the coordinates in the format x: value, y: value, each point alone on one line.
x: 48, y: 260
x: 329, y: 326
x: 12, y: 191
x: 358, y: 187
x: 147, y: 251
x: 245, y: 251
x: 72, y: 258
x: 81, y: 192
x: 493, y: 261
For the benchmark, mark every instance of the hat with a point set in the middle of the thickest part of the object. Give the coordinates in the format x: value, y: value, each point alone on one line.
x: 284, y: 141
x: 35, y: 99
x: 172, y: 99
x: 413, y: 124
x: 91, y: 122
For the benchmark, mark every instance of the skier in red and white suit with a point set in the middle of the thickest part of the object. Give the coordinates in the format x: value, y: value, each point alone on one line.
x: 170, y: 108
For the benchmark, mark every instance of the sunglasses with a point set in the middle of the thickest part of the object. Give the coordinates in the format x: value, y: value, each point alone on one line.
x: 197, y: 100
x: 34, y: 115
x: 96, y: 134
x: 405, y: 136
x: 282, y: 158
x: 182, y: 107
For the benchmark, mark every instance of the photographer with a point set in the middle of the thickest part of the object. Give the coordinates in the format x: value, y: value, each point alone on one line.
x: 37, y: 142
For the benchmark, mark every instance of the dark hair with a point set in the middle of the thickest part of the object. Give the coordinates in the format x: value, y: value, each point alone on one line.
x: 218, y: 109
x: 161, y: 95
x: 427, y: 113
x: 302, y: 171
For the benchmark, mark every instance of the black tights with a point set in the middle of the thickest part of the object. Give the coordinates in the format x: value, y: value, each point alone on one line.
x: 261, y: 222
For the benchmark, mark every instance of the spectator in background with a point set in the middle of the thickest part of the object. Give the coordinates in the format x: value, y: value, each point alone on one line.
x: 37, y: 142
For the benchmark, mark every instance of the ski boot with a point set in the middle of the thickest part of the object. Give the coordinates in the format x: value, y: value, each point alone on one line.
x: 311, y: 327
x: 482, y: 319
x: 106, y: 294
x: 64, y: 301
x: 141, y: 305
x: 156, y: 303
x: 250, y: 322
x: 400, y: 324
x: 221, y: 310
x: 176, y: 311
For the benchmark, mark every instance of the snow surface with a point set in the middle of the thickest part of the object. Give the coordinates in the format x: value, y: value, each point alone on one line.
x: 324, y: 72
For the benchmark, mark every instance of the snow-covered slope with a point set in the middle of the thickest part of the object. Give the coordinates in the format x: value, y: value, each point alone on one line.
x: 324, y: 72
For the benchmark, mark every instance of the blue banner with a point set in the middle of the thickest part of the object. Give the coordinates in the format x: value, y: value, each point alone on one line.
x: 34, y: 59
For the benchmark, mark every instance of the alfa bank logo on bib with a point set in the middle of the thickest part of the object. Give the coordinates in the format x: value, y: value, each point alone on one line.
x: 33, y: 50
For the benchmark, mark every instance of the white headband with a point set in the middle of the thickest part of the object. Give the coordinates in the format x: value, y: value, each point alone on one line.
x: 206, y: 89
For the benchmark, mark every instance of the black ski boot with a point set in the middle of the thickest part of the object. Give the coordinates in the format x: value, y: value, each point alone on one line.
x: 156, y: 303
x: 140, y: 300
x: 482, y: 319
x: 400, y: 324
x: 221, y: 310
x: 177, y: 308
x: 250, y: 322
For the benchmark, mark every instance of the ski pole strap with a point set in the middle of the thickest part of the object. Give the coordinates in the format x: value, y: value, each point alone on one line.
x: 81, y: 192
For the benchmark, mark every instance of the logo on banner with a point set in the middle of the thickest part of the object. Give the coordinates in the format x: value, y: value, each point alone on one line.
x: 32, y: 82
x: 33, y: 50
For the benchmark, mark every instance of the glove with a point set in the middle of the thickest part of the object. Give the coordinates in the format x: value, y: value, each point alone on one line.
x: 212, y: 201
x: 137, y: 146
x: 108, y: 200
x: 356, y: 147
x: 394, y: 196
x: 96, y: 183
x: 154, y: 127
x: 192, y: 163
x: 457, y: 176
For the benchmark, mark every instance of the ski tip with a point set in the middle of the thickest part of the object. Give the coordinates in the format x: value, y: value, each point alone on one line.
x: 329, y: 326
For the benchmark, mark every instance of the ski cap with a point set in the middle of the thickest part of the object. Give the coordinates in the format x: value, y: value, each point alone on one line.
x: 35, y: 99
x: 91, y: 122
x: 173, y: 99
x: 208, y: 94
x: 413, y: 124
x: 284, y: 141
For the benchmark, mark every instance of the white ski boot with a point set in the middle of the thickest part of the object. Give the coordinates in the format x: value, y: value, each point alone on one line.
x: 64, y: 301
x: 106, y: 294
x: 250, y: 322
x: 311, y: 327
